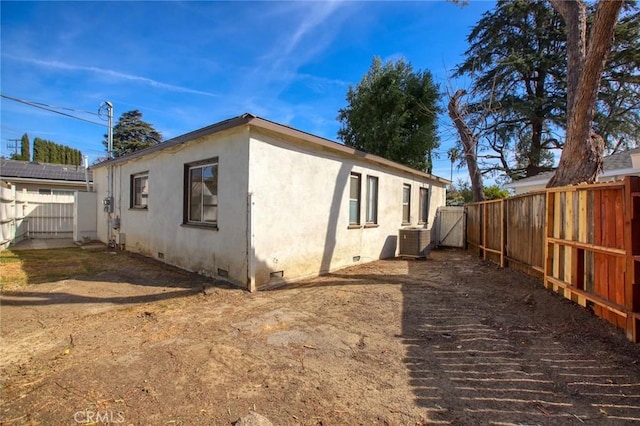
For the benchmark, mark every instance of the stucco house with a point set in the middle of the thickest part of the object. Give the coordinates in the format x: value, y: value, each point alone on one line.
x: 615, y: 167
x: 45, y: 178
x: 259, y: 203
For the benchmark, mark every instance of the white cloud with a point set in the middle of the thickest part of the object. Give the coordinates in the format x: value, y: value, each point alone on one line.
x: 110, y: 73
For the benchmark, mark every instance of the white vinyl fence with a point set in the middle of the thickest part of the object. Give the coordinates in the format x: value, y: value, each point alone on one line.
x: 28, y: 215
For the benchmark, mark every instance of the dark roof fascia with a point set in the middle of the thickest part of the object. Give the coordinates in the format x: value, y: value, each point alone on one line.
x: 261, y: 123
x: 205, y: 131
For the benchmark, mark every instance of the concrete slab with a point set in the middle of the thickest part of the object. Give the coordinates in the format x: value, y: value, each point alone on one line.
x: 43, y: 244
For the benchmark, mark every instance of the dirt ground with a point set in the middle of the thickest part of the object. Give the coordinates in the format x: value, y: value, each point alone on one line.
x: 448, y: 340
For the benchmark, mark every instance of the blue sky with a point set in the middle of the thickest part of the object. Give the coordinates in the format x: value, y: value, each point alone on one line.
x: 186, y: 65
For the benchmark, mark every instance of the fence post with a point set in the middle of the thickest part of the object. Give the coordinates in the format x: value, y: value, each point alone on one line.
x: 14, y: 196
x: 484, y: 231
x: 503, y: 232
x: 548, y: 229
x: 631, y: 211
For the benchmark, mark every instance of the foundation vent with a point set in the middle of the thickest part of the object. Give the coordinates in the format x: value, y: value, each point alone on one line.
x: 276, y: 275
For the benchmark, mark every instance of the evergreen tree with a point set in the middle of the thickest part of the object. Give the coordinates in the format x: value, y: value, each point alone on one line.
x: 392, y: 113
x: 26, y: 148
x: 517, y: 61
x: 131, y: 134
x: 45, y: 151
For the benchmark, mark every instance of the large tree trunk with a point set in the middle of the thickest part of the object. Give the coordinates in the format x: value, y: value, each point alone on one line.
x: 581, y: 159
x: 469, y: 143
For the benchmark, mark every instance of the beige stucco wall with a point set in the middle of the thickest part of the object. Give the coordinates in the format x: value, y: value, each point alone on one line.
x: 297, y: 195
x: 158, y: 231
x: 300, y: 209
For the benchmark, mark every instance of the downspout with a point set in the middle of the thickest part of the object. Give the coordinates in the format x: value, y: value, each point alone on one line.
x: 251, y: 252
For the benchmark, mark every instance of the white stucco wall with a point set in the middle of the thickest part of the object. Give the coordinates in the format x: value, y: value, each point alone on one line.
x: 301, y: 209
x: 159, y: 232
x: 299, y: 219
x: 84, y: 216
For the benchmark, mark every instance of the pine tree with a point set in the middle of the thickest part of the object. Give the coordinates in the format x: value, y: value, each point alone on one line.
x: 131, y: 134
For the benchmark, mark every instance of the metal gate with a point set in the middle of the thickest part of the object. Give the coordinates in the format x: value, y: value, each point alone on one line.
x: 450, y: 222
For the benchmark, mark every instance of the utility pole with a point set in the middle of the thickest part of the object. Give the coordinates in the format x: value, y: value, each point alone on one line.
x: 110, y: 129
x: 13, y: 146
x: 110, y: 199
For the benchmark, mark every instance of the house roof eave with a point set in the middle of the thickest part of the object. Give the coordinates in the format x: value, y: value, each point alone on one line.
x: 261, y: 123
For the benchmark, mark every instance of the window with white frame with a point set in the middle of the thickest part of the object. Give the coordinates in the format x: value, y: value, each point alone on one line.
x: 139, y: 190
x: 372, y: 199
x: 354, y: 199
x: 201, y: 192
x: 424, y: 205
x: 406, y: 203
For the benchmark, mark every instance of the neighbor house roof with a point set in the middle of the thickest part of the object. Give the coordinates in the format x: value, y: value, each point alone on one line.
x: 612, y: 165
x: 24, y: 170
x: 271, y: 126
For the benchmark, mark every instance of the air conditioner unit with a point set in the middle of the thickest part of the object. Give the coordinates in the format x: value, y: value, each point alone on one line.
x: 415, y: 242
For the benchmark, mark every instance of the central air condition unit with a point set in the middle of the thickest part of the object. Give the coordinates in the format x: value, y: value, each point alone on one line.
x: 415, y: 242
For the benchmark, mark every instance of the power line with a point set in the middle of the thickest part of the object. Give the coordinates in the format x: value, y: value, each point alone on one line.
x: 46, y: 108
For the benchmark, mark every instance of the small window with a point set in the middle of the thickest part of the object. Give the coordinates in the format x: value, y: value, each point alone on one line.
x: 201, y: 192
x: 354, y: 199
x: 424, y: 205
x: 44, y: 191
x: 139, y: 190
x: 406, y: 203
x: 372, y: 199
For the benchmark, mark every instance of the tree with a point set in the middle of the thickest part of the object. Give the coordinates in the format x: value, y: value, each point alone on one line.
x: 617, y: 116
x: 454, y: 155
x: 469, y: 142
x: 517, y: 77
x: 45, y: 151
x: 25, y: 154
x: 131, y: 134
x: 26, y: 148
x: 494, y: 192
x: 392, y: 113
x: 461, y: 193
x: 581, y: 158
x: 516, y: 60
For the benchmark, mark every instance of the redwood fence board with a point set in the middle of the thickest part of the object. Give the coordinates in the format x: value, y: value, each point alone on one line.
x: 584, y: 240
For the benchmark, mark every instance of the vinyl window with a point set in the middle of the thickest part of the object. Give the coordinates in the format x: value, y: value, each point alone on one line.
x: 424, y: 205
x: 372, y: 199
x: 139, y: 190
x: 201, y: 192
x: 406, y: 203
x: 354, y: 199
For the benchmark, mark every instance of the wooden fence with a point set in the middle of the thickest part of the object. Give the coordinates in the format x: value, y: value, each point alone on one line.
x: 583, y: 240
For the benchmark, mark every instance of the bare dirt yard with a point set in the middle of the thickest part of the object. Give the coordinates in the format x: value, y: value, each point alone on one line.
x: 448, y: 340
